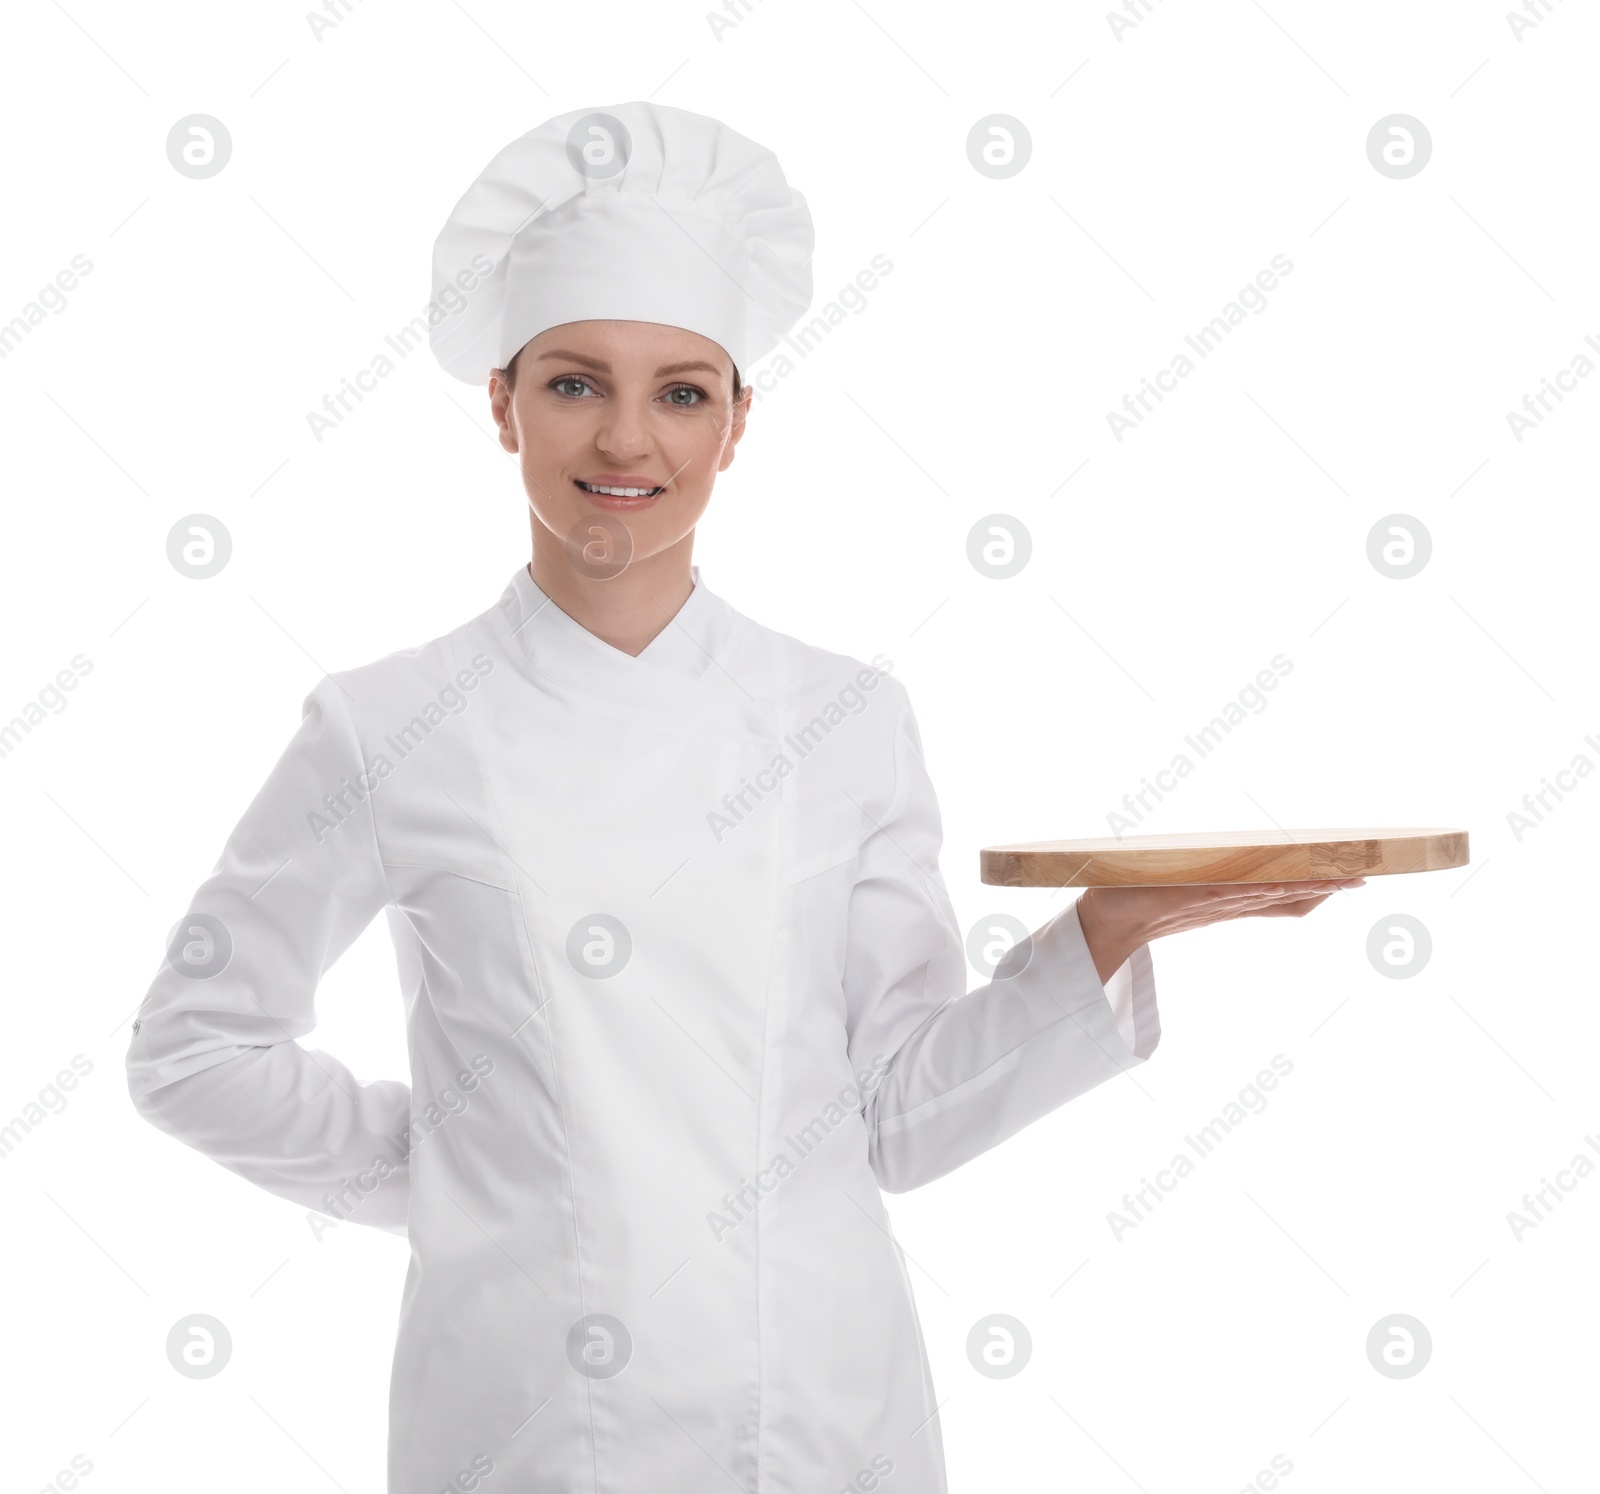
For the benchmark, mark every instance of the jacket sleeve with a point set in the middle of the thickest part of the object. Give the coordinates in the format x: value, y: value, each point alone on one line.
x: 217, y: 1058
x: 963, y: 1070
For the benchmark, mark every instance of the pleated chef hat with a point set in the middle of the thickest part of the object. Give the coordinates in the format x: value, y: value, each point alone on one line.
x: 638, y: 212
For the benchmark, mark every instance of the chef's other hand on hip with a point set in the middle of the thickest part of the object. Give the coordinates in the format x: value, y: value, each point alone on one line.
x: 1117, y: 920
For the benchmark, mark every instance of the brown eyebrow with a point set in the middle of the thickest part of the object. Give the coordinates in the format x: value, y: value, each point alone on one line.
x: 602, y: 367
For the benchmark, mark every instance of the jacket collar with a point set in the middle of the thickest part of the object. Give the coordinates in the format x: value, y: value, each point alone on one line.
x: 697, y: 649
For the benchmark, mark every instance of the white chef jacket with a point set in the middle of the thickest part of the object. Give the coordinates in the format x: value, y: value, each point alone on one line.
x: 683, y: 991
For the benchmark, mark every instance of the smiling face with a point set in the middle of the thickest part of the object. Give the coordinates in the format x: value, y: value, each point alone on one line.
x: 628, y: 419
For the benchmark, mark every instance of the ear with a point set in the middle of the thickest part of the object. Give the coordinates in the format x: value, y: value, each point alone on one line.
x: 741, y: 409
x: 500, y: 408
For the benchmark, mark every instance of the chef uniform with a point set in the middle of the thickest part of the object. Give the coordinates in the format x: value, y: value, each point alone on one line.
x: 683, y: 987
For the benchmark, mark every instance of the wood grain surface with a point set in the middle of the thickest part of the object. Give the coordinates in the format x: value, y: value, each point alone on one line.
x: 1222, y: 856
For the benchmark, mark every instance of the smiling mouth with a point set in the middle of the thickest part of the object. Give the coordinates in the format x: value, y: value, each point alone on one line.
x: 615, y: 492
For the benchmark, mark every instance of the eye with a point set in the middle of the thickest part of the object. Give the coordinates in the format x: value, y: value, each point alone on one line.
x: 699, y: 396
x: 562, y: 385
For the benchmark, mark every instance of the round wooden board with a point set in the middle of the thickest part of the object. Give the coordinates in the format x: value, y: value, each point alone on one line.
x: 1222, y: 856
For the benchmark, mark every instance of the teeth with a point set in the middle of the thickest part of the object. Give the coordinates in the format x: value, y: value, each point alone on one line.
x: 592, y: 487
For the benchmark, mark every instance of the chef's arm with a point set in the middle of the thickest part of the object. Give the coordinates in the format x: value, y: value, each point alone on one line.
x: 216, y: 1058
x: 963, y: 1070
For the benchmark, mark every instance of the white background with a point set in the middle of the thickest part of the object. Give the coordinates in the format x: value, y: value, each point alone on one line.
x: 1169, y: 165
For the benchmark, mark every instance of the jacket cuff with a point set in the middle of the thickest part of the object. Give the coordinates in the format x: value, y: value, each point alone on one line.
x: 1131, y: 990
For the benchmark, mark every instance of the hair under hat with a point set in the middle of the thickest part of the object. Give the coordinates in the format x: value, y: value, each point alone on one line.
x: 637, y: 212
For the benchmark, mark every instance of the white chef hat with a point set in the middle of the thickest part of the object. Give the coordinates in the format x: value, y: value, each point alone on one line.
x: 637, y: 212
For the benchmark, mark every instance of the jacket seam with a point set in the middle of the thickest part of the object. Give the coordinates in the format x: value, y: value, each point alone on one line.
x: 548, y: 1026
x: 368, y: 814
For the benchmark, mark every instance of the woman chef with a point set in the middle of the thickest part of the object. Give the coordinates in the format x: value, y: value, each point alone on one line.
x: 683, y: 987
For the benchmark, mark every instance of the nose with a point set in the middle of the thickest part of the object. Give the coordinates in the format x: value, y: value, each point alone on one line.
x: 622, y: 432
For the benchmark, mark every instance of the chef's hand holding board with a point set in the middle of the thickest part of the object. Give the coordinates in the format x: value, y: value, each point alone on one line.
x: 1141, y: 887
